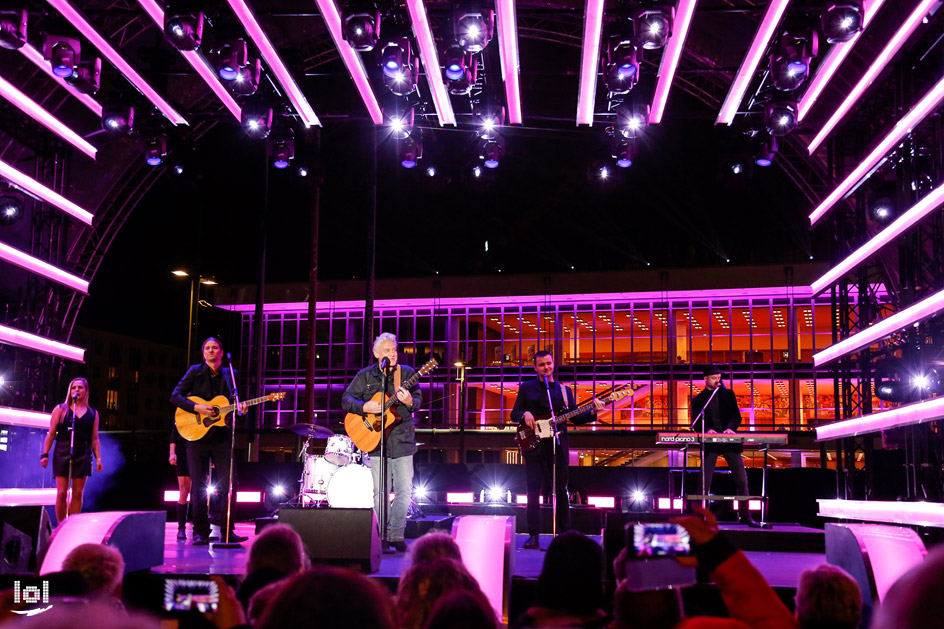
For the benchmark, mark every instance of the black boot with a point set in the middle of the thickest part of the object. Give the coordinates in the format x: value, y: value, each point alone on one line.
x: 182, y: 521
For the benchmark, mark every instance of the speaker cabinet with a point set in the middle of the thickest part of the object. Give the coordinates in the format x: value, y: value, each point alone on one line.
x: 25, y: 538
x: 338, y: 536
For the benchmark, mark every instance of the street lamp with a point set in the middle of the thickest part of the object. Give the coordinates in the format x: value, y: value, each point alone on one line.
x: 195, y: 281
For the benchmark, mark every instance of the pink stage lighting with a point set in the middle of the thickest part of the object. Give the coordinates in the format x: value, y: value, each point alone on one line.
x: 109, y: 52
x: 508, y: 46
x: 48, y: 195
x: 460, y: 497
x: 351, y: 58
x: 171, y: 495
x: 886, y: 327
x: 602, y: 502
x: 589, y: 61
x: 875, y: 69
x: 12, y: 336
x: 427, y: 43
x: 833, y: 59
x: 913, y: 513
x: 926, y: 206
x: 32, y: 109
x: 36, y: 58
x: 197, y: 61
x: 28, y: 497
x: 22, y: 417
x: 746, y: 72
x: 39, y: 267
x: 274, y: 61
x: 670, y: 59
x: 909, y: 415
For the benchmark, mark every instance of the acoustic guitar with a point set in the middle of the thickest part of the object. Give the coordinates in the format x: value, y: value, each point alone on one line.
x: 364, y: 430
x: 545, y: 427
x: 193, y: 426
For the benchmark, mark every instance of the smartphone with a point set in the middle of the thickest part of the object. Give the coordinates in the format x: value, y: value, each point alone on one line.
x: 184, y: 595
x: 661, y: 539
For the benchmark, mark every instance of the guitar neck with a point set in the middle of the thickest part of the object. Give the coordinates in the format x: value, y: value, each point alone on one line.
x: 230, y: 407
x: 406, y: 386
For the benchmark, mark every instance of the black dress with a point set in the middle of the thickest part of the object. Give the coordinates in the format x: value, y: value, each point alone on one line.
x: 82, y: 450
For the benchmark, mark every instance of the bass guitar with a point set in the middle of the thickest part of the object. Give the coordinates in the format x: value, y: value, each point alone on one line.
x: 193, y: 426
x: 364, y: 430
x: 545, y: 427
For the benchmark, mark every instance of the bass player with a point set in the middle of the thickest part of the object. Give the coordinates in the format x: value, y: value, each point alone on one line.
x: 531, y: 402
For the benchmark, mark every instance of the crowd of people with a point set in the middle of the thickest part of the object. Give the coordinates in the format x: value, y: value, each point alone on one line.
x: 282, y: 590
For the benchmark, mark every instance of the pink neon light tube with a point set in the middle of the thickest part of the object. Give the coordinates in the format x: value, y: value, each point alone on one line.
x: 352, y: 60
x: 589, y: 61
x: 833, y: 59
x: 12, y: 336
x: 670, y: 59
x: 920, y: 513
x: 274, y: 61
x: 875, y: 69
x: 903, y: 127
x: 424, y: 37
x: 22, y: 417
x: 35, y: 265
x: 746, y: 72
x: 886, y: 327
x: 37, y: 189
x: 927, y: 205
x: 909, y: 415
x: 197, y: 61
x: 108, y: 51
x: 508, y: 43
x: 36, y: 58
x: 32, y: 109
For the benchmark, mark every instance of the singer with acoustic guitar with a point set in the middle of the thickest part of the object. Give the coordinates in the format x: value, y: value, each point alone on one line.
x: 363, y: 397
x: 206, y: 381
x: 531, y: 405
x: 72, y: 458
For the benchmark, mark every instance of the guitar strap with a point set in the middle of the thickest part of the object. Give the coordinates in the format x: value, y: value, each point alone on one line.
x: 396, y: 379
x: 564, y: 395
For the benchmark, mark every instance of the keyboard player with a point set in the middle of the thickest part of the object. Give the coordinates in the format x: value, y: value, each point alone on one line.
x: 722, y: 416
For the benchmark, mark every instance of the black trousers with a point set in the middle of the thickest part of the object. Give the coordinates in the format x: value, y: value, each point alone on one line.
x: 214, y: 446
x: 736, y: 465
x: 537, y: 467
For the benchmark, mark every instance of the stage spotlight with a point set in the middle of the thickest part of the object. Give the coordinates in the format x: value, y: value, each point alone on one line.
x: 410, y: 151
x: 474, y: 30
x: 178, y: 169
x: 460, y: 70
x: 211, y: 489
x: 302, y: 171
x: 155, y: 149
x: 638, y: 496
x: 63, y: 53
x: 841, y: 21
x: 87, y: 76
x: 399, y: 122
x: 790, y: 61
x: 361, y: 30
x: 476, y: 171
x: 281, y: 150
x: 883, y: 209
x: 491, y: 151
x: 257, y: 121
x: 277, y: 490
x: 622, y: 66
x: 182, y: 28
x: 653, y: 26
x: 117, y: 118
x: 12, y: 29
x: 780, y: 117
x: 490, y: 123
x: 11, y: 207
x: 623, y: 153
x: 632, y: 122
x: 399, y: 74
x: 247, y: 78
x: 420, y: 492
x: 229, y: 58
x: 764, y: 156
x: 496, y: 493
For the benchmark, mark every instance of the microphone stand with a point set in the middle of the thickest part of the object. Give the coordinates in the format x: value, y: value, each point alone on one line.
x: 75, y: 400
x: 554, y: 438
x: 384, y: 496
x: 701, y: 416
x: 232, y: 463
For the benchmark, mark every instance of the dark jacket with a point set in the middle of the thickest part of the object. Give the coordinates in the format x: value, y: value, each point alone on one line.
x: 532, y: 396
x: 727, y: 417
x: 197, y: 382
x: 367, y: 383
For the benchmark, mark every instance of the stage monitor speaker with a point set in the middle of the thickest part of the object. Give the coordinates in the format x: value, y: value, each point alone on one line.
x: 338, y: 536
x: 26, y: 532
x: 138, y: 536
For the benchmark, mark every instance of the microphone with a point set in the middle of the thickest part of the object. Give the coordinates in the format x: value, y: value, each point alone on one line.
x: 547, y: 385
x: 75, y: 396
x: 385, y: 363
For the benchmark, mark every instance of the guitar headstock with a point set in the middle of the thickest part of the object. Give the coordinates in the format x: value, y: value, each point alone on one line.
x: 425, y: 369
x: 275, y: 397
x: 621, y: 393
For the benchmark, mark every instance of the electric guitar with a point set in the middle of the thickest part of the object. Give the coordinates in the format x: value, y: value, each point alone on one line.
x: 545, y: 427
x: 193, y: 426
x: 364, y: 430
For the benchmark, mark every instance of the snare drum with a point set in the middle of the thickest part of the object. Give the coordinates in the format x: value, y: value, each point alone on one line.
x: 340, y: 450
x: 318, y: 473
x: 351, y: 487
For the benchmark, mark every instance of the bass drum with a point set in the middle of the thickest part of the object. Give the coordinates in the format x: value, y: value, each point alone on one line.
x: 351, y: 487
x: 318, y: 473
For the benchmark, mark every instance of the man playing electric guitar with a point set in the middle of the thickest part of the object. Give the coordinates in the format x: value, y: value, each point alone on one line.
x: 208, y: 380
x: 531, y: 402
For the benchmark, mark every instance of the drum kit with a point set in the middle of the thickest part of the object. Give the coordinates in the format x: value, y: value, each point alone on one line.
x: 340, y: 478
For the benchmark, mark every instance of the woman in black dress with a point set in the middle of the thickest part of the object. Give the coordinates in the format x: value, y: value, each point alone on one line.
x: 74, y: 411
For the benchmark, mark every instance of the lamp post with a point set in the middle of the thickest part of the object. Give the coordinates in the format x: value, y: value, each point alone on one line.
x: 194, y: 320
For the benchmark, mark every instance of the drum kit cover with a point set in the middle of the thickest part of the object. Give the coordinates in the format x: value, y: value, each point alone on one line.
x: 340, y: 478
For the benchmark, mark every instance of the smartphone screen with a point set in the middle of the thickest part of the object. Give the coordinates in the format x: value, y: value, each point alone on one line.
x: 182, y: 595
x: 661, y: 539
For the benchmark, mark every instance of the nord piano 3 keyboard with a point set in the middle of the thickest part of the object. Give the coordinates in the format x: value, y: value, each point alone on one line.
x: 772, y: 438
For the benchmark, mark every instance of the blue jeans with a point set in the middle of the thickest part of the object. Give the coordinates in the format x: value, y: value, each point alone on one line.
x: 399, y: 481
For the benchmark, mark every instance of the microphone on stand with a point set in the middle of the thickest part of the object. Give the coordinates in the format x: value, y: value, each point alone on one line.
x: 547, y: 385
x: 385, y: 363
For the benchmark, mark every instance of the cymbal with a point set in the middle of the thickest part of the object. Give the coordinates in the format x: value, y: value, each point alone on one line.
x: 312, y: 431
